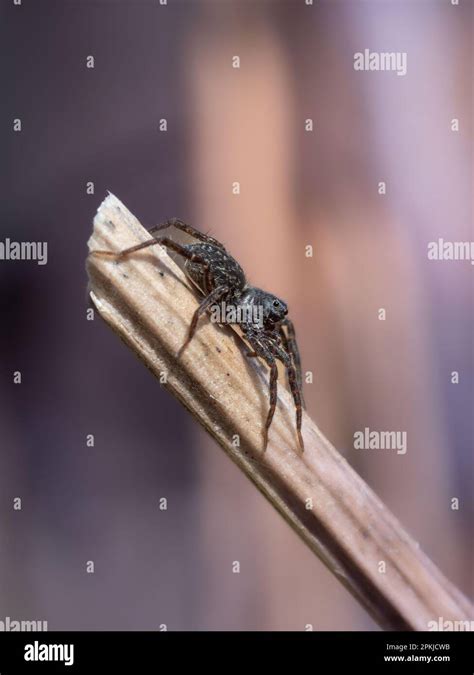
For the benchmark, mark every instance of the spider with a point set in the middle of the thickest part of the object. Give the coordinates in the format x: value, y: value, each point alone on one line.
x: 219, y: 278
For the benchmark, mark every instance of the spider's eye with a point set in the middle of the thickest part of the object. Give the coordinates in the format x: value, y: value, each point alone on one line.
x: 276, y: 303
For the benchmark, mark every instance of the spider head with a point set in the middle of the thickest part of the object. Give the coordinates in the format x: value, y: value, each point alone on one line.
x: 274, y: 309
x: 271, y: 310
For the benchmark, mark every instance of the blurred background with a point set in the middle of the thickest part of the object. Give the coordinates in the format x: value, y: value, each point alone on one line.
x: 298, y: 187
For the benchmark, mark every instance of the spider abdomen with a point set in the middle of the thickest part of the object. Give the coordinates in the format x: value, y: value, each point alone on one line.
x: 221, y: 270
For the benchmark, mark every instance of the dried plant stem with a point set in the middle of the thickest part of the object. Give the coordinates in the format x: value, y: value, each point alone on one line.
x: 147, y: 301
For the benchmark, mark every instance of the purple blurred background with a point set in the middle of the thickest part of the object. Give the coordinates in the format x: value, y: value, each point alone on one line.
x: 298, y: 187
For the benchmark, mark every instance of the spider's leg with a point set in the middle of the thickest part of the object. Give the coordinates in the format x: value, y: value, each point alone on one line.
x: 189, y: 229
x: 184, y: 227
x: 264, y: 351
x: 292, y: 348
x: 161, y: 226
x: 296, y: 393
x: 119, y: 255
x: 273, y: 398
x: 209, y: 300
x: 162, y: 241
x: 299, y: 403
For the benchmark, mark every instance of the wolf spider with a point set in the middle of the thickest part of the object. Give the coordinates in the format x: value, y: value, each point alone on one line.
x: 219, y: 278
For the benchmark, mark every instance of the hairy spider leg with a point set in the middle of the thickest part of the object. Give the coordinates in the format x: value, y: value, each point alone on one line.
x: 297, y: 398
x: 263, y: 351
x: 209, y: 300
x: 294, y: 387
x: 273, y: 398
x: 162, y: 241
x: 189, y: 229
x: 184, y: 227
x: 268, y: 354
x: 181, y: 250
x: 292, y: 346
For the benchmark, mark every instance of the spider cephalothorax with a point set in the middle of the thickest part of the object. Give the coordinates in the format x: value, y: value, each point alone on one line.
x: 261, y: 316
